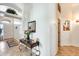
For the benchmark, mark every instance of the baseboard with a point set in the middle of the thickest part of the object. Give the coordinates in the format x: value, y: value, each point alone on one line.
x: 70, y: 45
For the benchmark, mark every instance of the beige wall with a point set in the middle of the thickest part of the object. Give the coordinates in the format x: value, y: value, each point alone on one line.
x: 70, y: 12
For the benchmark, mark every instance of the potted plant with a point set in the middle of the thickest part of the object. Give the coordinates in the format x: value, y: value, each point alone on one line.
x: 27, y: 33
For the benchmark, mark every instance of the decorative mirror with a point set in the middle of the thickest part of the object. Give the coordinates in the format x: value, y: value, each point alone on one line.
x: 32, y: 26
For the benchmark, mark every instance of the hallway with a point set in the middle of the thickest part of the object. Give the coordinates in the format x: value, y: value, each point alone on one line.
x: 68, y: 29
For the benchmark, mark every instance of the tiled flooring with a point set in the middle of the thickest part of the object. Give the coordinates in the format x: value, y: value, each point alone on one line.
x: 13, y: 51
x: 68, y: 51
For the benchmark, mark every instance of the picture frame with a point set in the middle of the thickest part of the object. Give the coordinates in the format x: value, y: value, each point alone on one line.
x: 32, y: 26
x: 66, y: 25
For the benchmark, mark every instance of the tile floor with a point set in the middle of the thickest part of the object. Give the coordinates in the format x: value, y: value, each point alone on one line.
x: 68, y: 51
x: 13, y: 51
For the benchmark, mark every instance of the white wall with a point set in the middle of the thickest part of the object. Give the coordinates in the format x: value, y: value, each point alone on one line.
x: 53, y: 28
x: 26, y: 15
x: 18, y: 29
x: 8, y: 31
x: 18, y: 32
x: 46, y: 30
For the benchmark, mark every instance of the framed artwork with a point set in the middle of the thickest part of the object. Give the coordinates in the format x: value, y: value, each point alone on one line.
x: 66, y: 25
x: 32, y: 26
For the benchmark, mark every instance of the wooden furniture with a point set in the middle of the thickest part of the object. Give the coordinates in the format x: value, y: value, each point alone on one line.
x: 31, y: 45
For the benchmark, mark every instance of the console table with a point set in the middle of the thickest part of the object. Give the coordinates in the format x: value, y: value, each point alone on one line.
x: 30, y: 44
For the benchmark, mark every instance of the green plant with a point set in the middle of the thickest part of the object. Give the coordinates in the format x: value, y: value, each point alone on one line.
x: 28, y: 34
